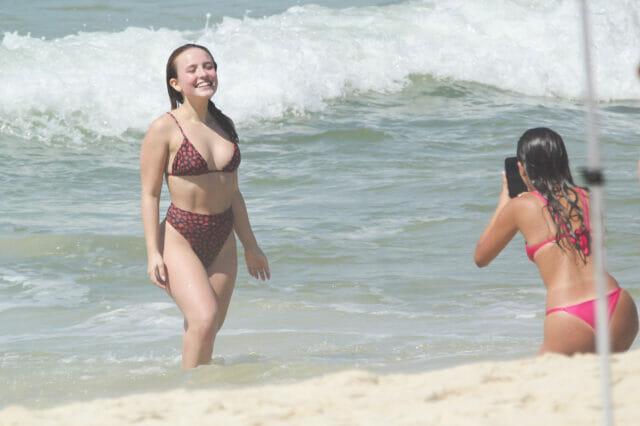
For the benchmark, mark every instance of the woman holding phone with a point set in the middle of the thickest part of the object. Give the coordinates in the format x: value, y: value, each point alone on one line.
x: 553, y: 216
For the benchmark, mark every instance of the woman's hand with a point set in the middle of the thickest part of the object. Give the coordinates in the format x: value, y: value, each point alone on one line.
x: 157, y: 271
x: 257, y: 263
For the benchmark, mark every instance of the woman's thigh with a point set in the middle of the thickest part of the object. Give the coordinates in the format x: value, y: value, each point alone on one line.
x: 222, y: 275
x: 624, y: 323
x: 188, y: 280
x: 567, y: 334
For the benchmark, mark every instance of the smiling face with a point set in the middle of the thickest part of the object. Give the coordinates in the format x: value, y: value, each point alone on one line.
x: 195, y: 74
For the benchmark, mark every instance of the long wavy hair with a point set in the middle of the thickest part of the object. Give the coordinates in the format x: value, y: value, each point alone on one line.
x: 544, y: 156
x: 176, y: 97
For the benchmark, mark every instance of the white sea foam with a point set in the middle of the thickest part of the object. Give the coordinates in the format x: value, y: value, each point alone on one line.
x: 296, y: 61
x: 148, y: 317
x: 31, y: 289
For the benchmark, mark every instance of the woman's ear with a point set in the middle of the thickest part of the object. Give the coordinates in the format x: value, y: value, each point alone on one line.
x: 521, y: 170
x: 173, y: 82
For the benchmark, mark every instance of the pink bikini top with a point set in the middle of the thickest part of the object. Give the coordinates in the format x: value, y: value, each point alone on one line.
x: 189, y: 162
x: 579, y: 234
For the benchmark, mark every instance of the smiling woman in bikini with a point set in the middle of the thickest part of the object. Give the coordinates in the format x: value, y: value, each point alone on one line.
x: 192, y: 254
x: 553, y: 217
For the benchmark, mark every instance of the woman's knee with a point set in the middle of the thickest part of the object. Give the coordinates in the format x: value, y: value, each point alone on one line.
x: 204, y: 322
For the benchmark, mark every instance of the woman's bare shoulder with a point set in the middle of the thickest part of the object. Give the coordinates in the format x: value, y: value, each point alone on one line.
x: 527, y: 199
x: 161, y: 129
x: 162, y: 123
x: 527, y: 209
x: 525, y: 204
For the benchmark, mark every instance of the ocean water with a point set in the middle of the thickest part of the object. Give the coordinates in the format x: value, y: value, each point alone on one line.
x: 373, y: 138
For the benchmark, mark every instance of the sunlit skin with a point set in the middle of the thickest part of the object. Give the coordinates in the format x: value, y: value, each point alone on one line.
x: 202, y: 294
x: 567, y: 279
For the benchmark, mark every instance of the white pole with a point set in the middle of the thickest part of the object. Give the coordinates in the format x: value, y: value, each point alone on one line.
x: 593, y: 176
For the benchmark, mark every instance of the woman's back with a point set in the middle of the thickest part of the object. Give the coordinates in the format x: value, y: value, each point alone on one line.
x: 566, y: 267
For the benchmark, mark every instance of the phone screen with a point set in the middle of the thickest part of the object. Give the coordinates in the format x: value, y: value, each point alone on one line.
x: 514, y: 181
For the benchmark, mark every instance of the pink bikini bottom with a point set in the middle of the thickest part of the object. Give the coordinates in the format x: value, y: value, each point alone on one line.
x: 586, y: 311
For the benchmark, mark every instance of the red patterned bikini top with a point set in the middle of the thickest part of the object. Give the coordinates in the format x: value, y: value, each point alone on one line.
x: 189, y: 162
x: 579, y: 235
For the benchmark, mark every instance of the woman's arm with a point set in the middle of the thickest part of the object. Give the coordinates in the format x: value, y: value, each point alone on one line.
x: 500, y: 230
x: 256, y: 260
x: 153, y: 156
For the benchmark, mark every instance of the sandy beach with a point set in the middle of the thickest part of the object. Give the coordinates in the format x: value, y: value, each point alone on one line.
x: 548, y: 390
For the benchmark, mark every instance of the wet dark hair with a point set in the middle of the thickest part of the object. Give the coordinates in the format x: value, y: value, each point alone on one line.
x: 544, y: 157
x: 176, y: 97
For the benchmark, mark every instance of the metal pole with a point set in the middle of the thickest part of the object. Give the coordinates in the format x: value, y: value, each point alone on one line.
x: 594, y: 178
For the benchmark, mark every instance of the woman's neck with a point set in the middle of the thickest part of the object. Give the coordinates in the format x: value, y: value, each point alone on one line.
x: 195, y: 109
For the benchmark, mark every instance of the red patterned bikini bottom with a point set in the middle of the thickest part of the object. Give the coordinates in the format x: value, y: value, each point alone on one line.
x: 206, y: 233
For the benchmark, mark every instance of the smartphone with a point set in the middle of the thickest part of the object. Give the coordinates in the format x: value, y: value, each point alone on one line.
x: 514, y: 181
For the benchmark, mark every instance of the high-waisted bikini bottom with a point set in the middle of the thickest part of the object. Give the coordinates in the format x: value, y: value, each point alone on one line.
x: 206, y: 233
x: 586, y: 311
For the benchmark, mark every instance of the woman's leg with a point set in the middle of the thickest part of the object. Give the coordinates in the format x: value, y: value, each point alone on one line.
x: 567, y: 334
x: 624, y: 323
x: 222, y: 278
x: 190, y: 288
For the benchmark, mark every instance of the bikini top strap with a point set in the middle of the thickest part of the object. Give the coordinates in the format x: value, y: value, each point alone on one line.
x: 585, y: 208
x: 178, y: 124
